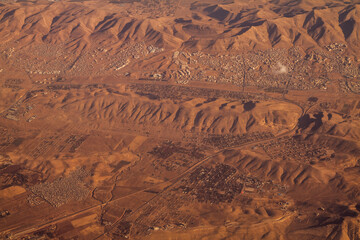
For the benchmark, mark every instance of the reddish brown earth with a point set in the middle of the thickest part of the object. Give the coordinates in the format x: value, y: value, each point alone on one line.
x: 165, y: 119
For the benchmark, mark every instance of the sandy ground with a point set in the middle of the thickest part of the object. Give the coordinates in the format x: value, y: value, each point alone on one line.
x: 179, y: 120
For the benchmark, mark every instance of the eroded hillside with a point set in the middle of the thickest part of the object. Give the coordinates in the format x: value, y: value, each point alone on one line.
x: 165, y: 119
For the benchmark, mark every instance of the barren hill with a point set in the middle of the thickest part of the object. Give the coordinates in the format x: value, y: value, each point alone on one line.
x: 228, y: 26
x: 165, y: 119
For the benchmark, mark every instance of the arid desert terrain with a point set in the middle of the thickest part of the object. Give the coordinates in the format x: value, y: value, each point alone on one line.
x: 180, y: 119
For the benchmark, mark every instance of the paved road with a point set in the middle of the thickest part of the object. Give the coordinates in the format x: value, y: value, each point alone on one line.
x: 171, y: 182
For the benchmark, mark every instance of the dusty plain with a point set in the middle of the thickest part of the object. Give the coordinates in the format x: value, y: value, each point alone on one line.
x: 164, y: 119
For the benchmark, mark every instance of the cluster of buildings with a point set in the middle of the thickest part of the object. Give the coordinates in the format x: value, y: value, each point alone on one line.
x: 64, y: 189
